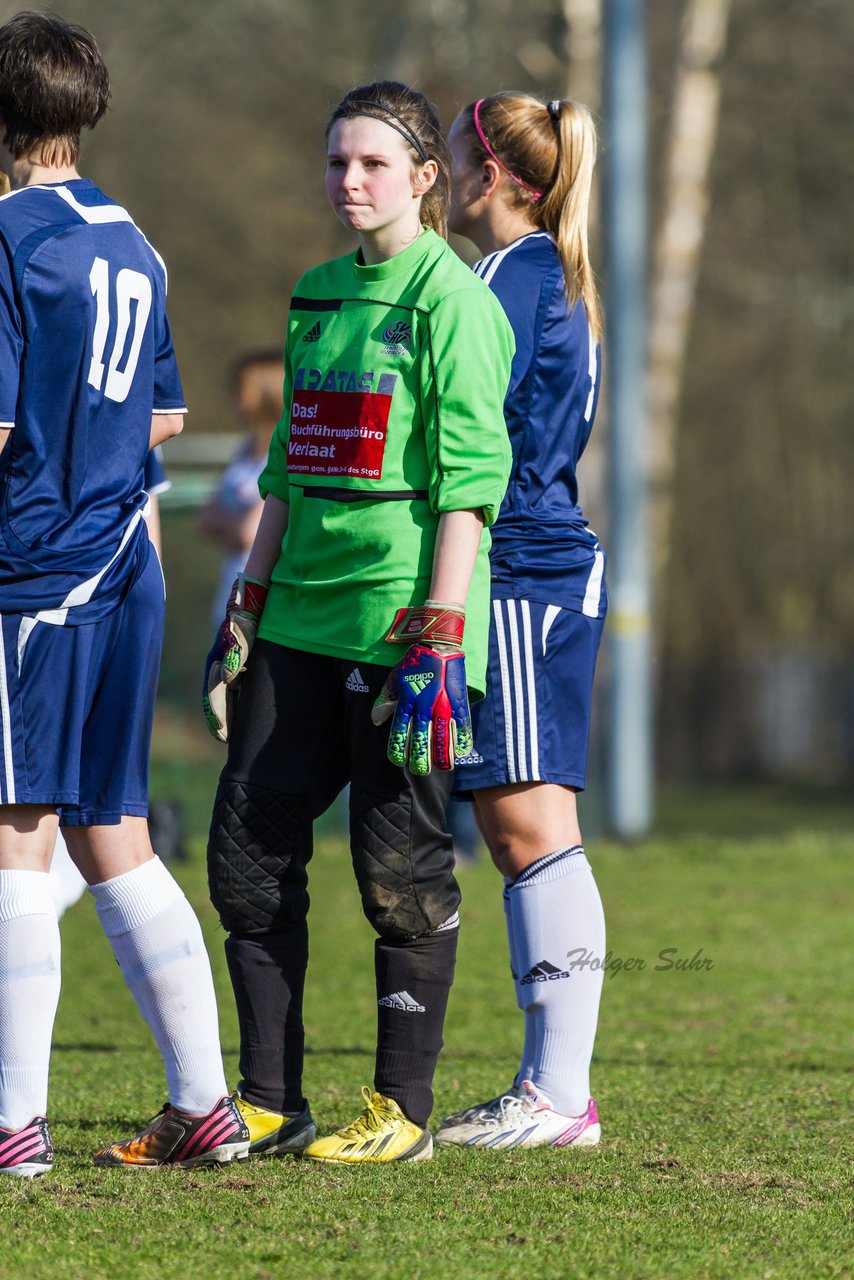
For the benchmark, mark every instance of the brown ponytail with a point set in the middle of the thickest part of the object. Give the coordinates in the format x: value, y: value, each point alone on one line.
x: 550, y: 150
x: 414, y: 117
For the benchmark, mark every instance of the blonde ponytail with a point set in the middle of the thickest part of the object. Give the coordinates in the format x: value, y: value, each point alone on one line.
x: 548, y: 154
x: 565, y: 206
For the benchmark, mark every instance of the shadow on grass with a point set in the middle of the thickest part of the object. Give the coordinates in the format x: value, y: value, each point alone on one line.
x: 311, y: 1051
x: 752, y: 810
x: 124, y: 1125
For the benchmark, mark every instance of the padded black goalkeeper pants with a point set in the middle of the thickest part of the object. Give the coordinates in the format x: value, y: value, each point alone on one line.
x: 302, y: 731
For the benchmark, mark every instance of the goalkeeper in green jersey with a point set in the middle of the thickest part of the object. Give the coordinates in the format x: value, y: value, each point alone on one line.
x: 360, y: 627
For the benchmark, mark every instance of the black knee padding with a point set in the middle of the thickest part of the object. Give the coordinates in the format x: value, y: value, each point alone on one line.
x: 405, y: 871
x: 259, y: 845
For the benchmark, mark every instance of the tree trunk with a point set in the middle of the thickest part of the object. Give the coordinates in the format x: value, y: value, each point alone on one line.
x: 678, y: 246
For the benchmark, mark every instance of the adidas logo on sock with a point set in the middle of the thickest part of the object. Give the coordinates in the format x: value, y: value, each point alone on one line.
x: 403, y: 1001
x: 355, y: 683
x: 313, y: 334
x: 544, y: 972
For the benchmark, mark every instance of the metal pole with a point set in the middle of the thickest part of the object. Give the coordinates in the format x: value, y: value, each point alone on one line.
x: 630, y: 749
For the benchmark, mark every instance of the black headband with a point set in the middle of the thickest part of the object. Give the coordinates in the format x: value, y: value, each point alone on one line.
x: 376, y: 111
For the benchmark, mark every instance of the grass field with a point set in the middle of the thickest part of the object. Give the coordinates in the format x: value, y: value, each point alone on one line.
x: 725, y: 1092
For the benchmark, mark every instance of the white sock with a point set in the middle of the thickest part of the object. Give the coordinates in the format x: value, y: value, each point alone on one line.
x: 158, y: 943
x: 29, y: 991
x: 555, y: 908
x: 526, y: 1065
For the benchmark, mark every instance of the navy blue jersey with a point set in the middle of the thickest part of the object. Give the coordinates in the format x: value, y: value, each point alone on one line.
x: 542, y: 546
x: 85, y: 359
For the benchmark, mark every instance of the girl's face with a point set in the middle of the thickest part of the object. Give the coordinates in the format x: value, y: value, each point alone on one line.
x: 371, y: 180
x: 466, y: 183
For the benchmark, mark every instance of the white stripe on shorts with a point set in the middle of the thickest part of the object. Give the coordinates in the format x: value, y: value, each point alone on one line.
x: 518, y: 689
x: 532, y: 692
x: 6, y: 724
x: 505, y: 688
x: 521, y: 765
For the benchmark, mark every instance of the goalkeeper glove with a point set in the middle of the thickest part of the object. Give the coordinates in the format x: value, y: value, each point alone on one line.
x: 227, y: 659
x: 426, y: 691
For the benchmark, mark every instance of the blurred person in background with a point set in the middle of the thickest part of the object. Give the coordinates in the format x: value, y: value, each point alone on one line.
x: 391, y: 458
x: 231, y: 515
x: 522, y: 173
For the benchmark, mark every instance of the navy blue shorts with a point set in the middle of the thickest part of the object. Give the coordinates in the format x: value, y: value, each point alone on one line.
x: 77, y: 705
x: 534, y: 723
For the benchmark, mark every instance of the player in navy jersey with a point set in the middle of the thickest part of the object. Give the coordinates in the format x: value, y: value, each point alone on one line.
x: 88, y: 384
x: 521, y: 188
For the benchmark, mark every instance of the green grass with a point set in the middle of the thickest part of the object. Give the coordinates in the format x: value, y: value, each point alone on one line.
x: 725, y: 1094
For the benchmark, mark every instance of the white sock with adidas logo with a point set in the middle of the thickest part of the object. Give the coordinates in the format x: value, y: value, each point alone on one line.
x: 554, y: 908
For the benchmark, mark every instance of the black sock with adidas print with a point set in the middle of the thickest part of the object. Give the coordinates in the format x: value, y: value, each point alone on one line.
x: 268, y: 976
x: 413, y: 982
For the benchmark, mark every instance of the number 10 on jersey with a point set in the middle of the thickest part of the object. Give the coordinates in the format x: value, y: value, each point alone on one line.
x: 130, y: 286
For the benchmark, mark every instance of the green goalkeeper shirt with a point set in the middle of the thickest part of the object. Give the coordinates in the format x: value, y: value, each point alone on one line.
x: 395, y: 377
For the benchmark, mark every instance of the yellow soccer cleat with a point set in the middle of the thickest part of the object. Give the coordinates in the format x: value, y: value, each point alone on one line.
x: 272, y: 1134
x: 381, y: 1133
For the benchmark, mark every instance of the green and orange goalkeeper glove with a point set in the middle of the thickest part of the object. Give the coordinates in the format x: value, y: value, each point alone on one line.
x: 226, y: 661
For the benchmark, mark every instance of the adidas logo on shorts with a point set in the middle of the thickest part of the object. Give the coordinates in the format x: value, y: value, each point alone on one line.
x: 473, y: 757
x: 403, y: 1001
x: 544, y: 972
x: 355, y: 683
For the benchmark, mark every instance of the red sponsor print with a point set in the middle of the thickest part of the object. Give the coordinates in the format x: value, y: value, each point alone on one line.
x: 338, y: 433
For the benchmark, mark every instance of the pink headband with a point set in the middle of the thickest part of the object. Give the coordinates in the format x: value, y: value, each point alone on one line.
x: 536, y: 194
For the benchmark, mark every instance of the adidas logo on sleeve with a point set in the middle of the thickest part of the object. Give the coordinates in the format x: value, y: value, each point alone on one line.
x: 355, y: 683
x: 403, y: 1001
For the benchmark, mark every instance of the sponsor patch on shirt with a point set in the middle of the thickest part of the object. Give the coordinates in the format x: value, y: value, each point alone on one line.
x: 341, y: 428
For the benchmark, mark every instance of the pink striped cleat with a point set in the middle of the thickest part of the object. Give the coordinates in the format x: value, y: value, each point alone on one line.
x: 526, y: 1121
x: 27, y: 1152
x: 175, y: 1138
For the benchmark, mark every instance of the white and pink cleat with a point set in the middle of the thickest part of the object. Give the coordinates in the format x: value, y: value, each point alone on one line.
x: 512, y: 1120
x: 27, y: 1152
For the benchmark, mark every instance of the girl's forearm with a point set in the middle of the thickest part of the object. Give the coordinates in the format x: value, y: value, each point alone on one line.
x: 268, y: 540
x: 457, y: 542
